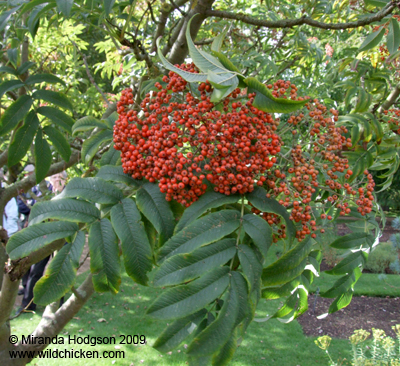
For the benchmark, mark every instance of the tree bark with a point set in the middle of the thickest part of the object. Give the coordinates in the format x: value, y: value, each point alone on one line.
x: 52, y: 323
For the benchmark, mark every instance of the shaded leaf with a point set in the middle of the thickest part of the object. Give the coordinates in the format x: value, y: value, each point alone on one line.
x: 15, y: 113
x: 184, y: 267
x: 68, y: 209
x: 187, y: 299
x: 32, y: 238
x: 136, y: 249
x: 203, y: 231
x: 23, y: 139
x: 104, y: 253
x: 92, y: 189
x: 59, y: 142
x: 43, y: 156
x: 58, y: 117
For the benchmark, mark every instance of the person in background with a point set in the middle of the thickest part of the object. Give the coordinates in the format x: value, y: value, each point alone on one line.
x: 10, y: 215
x: 36, y: 271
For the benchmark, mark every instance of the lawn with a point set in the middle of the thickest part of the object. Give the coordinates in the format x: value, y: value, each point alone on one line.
x: 269, y: 343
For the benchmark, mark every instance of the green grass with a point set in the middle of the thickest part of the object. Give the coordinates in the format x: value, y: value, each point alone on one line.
x: 369, y: 284
x: 269, y: 343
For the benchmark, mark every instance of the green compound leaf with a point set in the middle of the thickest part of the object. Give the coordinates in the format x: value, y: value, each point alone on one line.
x: 68, y: 209
x: 213, y: 338
x: 59, y: 142
x: 136, y: 249
x: 259, y: 200
x: 178, y: 331
x: 15, y: 113
x: 60, y: 274
x: 259, y: 231
x: 23, y: 139
x: 87, y: 123
x: 44, y: 78
x: 187, y: 299
x: 32, y: 238
x: 287, y: 267
x: 95, y: 190
x: 206, y: 202
x: 372, y: 40
x: 43, y: 156
x: 203, y: 231
x: 151, y: 202
x: 91, y: 146
x: 60, y: 118
x: 266, y: 102
x: 181, y: 268
x: 9, y: 85
x: 56, y: 98
x: 116, y: 174
x: 104, y: 254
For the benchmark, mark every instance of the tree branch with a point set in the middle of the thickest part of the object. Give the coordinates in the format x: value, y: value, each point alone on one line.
x: 89, y: 74
x: 289, y: 23
x: 180, y: 48
x: 53, y: 322
x: 392, y: 98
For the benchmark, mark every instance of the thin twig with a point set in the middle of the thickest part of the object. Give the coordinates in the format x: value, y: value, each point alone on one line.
x: 90, y: 76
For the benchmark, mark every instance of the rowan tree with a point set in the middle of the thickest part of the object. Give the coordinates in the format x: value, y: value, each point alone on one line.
x: 196, y: 134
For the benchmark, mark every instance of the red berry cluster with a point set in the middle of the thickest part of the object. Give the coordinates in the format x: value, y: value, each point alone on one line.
x: 178, y: 139
x: 394, y: 121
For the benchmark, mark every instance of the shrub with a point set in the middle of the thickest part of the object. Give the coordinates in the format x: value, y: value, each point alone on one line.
x: 381, y: 258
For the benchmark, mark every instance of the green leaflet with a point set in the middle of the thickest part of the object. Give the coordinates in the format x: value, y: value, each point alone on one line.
x: 23, y: 139
x: 58, y: 117
x: 289, y: 266
x: 353, y: 240
x: 111, y: 157
x: 95, y: 190
x: 92, y: 145
x: 43, y: 156
x: 59, y: 142
x: 68, y: 209
x: 343, y: 284
x: 206, y: 202
x: 108, y: 4
x: 15, y: 113
x: 9, y: 85
x: 60, y: 274
x: 252, y: 268
x: 104, y: 254
x: 187, y: 299
x: 349, y: 263
x: 341, y: 302
x: 271, y: 293
x: 372, y: 40
x: 213, y: 338
x: 225, y: 355
x: 266, y: 102
x: 56, y: 98
x: 32, y: 238
x: 116, y: 174
x: 178, y: 331
x: 136, y: 249
x: 44, y: 78
x: 87, y: 123
x: 259, y: 231
x: 187, y: 266
x: 151, y: 202
x: 188, y: 76
x: 259, y: 200
x: 65, y: 6
x: 393, y: 37
x: 203, y: 231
